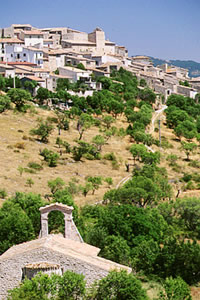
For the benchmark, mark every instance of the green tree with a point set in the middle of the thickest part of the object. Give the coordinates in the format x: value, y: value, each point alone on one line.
x: 80, y: 66
x: 30, y: 85
x: 138, y: 151
x: 142, y: 82
x: 187, y: 129
x: 188, y: 148
x: 96, y: 182
x: 43, y: 130
x: 30, y: 204
x: 116, y: 249
x: 108, y: 120
x: 175, y: 289
x: 4, y: 103
x: 2, y: 83
x: 61, y: 121
x: 20, y: 98
x: 42, y: 95
x: 50, y: 157
x: 99, y: 141
x: 86, y: 188
x: 15, y: 226
x: 29, y: 182
x: 120, y: 285
x: 85, y: 121
x: 147, y: 95
x: 188, y: 213
x: 71, y: 286
x: 56, y: 184
x: 62, y: 84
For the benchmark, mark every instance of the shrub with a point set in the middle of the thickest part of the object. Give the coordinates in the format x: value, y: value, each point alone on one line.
x: 3, y: 193
x: 110, y: 156
x: 35, y: 166
x: 50, y: 157
x: 175, y: 289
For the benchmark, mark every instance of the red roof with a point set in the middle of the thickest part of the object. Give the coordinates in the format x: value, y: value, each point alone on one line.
x: 25, y: 63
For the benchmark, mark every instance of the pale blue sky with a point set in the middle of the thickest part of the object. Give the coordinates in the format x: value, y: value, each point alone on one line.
x: 160, y: 28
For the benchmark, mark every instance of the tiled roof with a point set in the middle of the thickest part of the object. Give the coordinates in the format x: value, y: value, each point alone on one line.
x: 32, y: 32
x: 11, y: 41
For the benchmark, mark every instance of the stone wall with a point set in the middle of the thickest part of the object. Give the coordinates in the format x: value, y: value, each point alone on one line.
x: 11, y: 269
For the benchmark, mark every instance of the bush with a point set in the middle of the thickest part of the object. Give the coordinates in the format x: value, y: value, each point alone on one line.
x: 120, y: 285
x: 175, y: 289
x: 110, y: 156
x: 3, y: 193
x: 35, y: 166
x: 50, y: 157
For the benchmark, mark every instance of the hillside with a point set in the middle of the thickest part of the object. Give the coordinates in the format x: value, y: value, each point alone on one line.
x: 18, y: 148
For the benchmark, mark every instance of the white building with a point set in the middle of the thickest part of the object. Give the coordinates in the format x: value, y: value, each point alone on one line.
x: 75, y: 74
x: 32, y: 38
x: 19, y: 53
x: 10, y: 42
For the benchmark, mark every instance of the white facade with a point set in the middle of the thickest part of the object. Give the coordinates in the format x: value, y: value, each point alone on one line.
x: 20, y: 53
x: 74, y: 73
x: 32, y: 38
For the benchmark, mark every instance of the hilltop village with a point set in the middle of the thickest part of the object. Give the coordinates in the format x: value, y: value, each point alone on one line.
x: 46, y: 54
x: 100, y: 184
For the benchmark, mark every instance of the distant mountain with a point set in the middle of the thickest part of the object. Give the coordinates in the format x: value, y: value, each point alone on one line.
x: 192, y: 66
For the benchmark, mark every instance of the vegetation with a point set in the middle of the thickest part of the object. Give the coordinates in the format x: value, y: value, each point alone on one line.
x: 141, y: 221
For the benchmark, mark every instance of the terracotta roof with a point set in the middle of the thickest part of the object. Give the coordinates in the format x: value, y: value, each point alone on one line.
x: 32, y: 32
x: 5, y: 66
x: 35, y: 78
x: 11, y: 41
x: 25, y: 63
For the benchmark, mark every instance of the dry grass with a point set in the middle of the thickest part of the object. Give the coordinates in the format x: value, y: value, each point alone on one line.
x: 18, y: 148
x: 15, y: 151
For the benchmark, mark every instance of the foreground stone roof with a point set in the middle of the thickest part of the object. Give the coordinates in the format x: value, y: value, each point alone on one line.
x: 52, y: 250
x: 57, y: 243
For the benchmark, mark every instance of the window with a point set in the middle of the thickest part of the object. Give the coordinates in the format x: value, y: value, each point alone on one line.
x: 11, y: 55
x: 18, y: 56
x: 24, y: 54
x: 29, y: 36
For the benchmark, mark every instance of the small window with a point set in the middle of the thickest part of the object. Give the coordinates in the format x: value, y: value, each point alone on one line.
x: 18, y: 56
x: 11, y: 55
x: 24, y: 54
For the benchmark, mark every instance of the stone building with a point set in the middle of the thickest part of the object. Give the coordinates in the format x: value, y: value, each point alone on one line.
x: 53, y: 254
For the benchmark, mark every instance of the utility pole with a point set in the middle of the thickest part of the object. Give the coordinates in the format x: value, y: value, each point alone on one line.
x: 159, y: 132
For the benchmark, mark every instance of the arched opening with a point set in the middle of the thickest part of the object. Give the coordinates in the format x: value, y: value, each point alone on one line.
x: 56, y: 222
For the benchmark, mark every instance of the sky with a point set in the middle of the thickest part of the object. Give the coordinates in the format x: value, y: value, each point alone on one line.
x: 167, y: 29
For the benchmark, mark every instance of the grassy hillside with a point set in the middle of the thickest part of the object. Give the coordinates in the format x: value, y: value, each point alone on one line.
x: 18, y: 148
